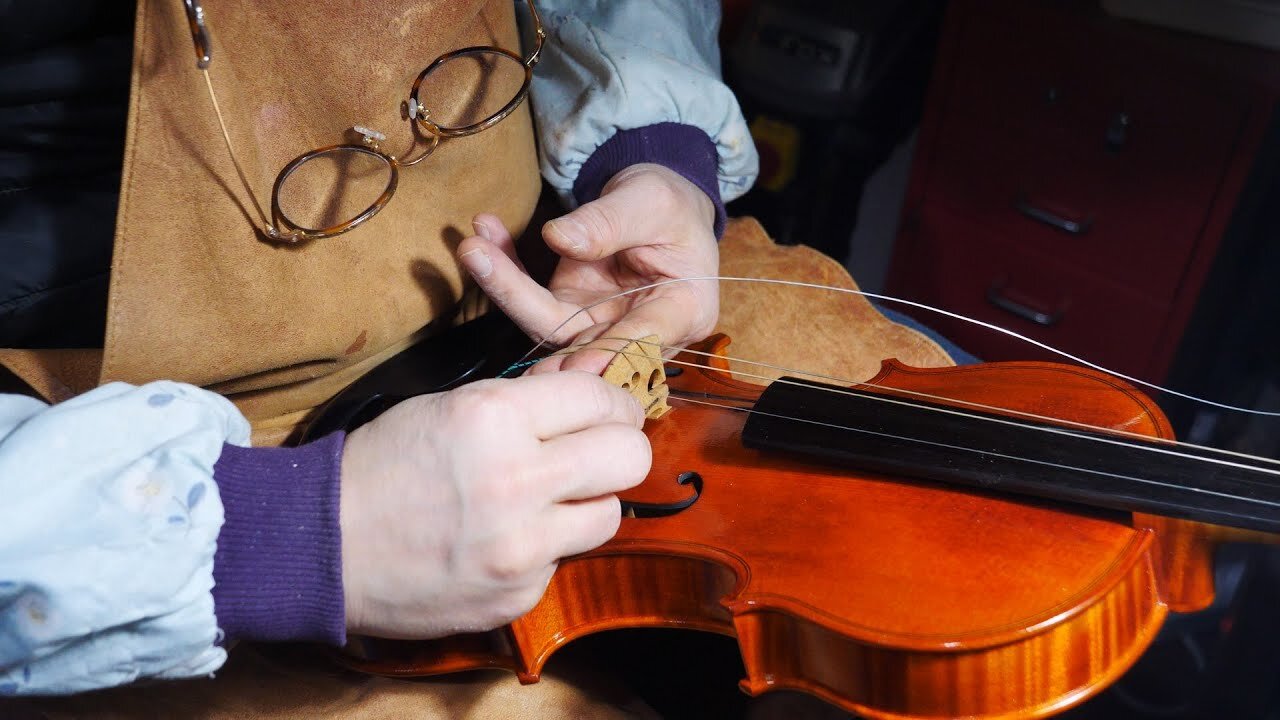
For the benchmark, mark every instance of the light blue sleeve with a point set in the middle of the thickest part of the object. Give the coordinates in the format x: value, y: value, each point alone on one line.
x: 611, y: 65
x: 108, y: 524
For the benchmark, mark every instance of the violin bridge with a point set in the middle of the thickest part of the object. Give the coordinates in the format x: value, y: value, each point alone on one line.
x: 637, y: 368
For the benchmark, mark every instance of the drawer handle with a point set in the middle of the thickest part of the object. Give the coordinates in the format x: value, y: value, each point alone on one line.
x: 996, y: 296
x: 1118, y: 132
x: 1053, y: 220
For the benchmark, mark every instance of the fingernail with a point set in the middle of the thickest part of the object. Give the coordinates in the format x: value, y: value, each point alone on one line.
x: 477, y: 262
x: 481, y: 230
x: 572, y: 233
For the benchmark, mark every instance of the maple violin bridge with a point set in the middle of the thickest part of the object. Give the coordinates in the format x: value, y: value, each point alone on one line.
x: 637, y: 368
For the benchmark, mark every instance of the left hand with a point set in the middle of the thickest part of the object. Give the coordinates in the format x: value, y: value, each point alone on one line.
x: 648, y: 225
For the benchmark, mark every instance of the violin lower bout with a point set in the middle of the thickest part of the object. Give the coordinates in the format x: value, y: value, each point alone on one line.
x: 886, y: 596
x: 786, y: 644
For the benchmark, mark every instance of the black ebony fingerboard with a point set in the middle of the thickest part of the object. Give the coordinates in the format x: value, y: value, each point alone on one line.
x: 856, y: 430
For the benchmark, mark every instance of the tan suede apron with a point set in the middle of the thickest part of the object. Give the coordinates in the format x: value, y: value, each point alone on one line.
x: 196, y: 295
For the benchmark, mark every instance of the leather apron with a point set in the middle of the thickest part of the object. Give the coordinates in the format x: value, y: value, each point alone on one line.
x: 196, y: 294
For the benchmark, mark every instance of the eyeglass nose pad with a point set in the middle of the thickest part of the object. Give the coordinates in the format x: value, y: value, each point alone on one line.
x: 368, y: 135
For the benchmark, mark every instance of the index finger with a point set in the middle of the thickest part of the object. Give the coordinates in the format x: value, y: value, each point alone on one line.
x: 570, y: 401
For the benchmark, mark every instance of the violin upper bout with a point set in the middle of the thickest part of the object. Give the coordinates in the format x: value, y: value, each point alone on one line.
x: 637, y: 368
x: 1071, y: 393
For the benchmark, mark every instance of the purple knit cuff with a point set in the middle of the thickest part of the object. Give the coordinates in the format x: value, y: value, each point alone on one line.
x: 277, y: 571
x: 685, y: 149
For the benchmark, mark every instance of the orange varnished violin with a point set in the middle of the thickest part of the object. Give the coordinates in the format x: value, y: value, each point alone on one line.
x: 997, y: 541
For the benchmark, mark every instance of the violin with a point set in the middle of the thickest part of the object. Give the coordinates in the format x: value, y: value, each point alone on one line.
x: 998, y: 540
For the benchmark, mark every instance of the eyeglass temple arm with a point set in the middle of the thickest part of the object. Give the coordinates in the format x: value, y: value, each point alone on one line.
x: 539, y: 31
x: 204, y: 55
x: 200, y: 34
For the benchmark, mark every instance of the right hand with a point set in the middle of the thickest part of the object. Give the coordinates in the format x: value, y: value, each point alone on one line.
x: 456, y: 507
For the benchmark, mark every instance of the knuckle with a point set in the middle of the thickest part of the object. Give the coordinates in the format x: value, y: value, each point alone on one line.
x: 592, y: 391
x: 601, y: 221
x: 481, y: 405
x: 610, y: 520
x: 513, y: 558
x: 603, y: 397
x: 637, y: 455
x: 645, y: 449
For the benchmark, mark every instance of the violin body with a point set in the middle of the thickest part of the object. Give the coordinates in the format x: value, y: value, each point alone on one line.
x: 889, y: 597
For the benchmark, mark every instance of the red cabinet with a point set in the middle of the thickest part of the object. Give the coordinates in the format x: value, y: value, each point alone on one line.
x: 1073, y: 178
x: 982, y: 274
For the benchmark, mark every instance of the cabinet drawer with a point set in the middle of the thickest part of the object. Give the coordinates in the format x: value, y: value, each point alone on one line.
x: 1066, y: 77
x: 959, y: 265
x: 1078, y: 206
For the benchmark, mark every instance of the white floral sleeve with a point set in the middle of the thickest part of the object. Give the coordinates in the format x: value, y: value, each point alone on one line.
x: 108, y: 523
x: 612, y: 65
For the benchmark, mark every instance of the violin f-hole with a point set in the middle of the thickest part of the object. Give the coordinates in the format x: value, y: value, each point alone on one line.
x: 656, y: 510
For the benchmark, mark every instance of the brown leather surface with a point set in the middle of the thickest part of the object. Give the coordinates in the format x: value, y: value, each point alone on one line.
x: 840, y: 335
x: 55, y: 375
x: 195, y: 294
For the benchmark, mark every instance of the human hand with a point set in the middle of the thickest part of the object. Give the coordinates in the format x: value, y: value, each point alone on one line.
x: 456, y: 507
x: 649, y: 224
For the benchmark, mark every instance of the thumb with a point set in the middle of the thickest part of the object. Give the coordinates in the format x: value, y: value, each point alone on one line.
x: 534, y: 308
x: 626, y: 216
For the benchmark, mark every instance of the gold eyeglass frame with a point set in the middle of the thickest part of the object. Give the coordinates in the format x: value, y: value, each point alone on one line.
x: 279, y: 228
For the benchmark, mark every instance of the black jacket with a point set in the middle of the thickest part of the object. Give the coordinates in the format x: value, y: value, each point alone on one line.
x: 64, y: 90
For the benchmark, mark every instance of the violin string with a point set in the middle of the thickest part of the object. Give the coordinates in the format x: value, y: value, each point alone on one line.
x: 923, y: 306
x: 1172, y: 451
x: 944, y: 399
x: 922, y: 395
x: 1045, y: 463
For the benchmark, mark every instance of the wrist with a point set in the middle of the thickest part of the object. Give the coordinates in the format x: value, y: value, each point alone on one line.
x: 278, y: 565
x: 684, y: 150
x: 686, y: 193
x: 351, y: 466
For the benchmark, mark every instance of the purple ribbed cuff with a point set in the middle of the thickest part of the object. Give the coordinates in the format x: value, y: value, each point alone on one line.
x: 685, y: 149
x: 277, y: 571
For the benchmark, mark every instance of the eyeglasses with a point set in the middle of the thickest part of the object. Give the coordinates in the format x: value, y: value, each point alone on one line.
x: 330, y: 190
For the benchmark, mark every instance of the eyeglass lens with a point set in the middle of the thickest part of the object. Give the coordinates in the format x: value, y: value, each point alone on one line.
x: 469, y: 88
x: 332, y: 188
